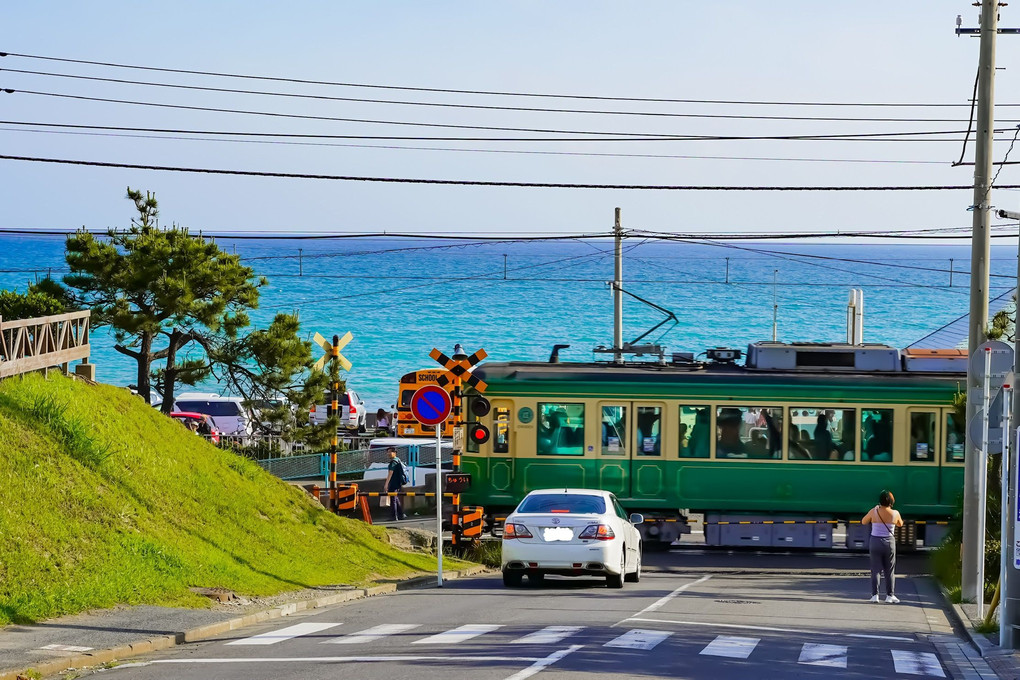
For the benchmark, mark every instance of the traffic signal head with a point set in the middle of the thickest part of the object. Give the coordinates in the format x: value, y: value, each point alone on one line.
x: 478, y: 433
x: 480, y: 406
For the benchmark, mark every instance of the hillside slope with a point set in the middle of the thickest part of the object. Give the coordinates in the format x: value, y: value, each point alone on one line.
x: 103, y: 501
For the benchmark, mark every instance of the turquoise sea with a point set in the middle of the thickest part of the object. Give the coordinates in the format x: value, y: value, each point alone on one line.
x: 401, y: 297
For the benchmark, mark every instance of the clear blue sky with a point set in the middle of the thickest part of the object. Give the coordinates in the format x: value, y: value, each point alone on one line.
x: 904, y: 52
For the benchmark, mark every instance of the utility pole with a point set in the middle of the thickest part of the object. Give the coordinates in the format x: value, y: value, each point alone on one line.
x: 727, y: 270
x: 775, y: 307
x: 618, y: 293
x: 973, y: 503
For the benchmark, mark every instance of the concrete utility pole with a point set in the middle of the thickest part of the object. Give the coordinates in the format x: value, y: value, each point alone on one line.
x: 973, y: 504
x: 618, y: 292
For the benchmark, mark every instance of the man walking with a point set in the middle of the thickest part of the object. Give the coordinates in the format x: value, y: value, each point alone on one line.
x: 395, y: 479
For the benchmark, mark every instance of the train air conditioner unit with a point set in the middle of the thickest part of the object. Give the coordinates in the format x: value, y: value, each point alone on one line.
x: 807, y: 356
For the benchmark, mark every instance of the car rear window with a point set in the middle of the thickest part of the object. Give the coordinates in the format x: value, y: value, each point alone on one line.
x: 211, y: 408
x: 563, y: 502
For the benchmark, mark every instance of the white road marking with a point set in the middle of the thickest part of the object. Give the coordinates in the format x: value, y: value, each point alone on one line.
x: 833, y: 656
x: 731, y: 647
x: 662, y: 601
x: 459, y: 634
x: 711, y: 624
x: 542, y: 664
x: 638, y: 638
x: 917, y: 663
x: 351, y: 659
x: 297, y: 630
x: 373, y: 634
x: 548, y: 635
x: 66, y: 648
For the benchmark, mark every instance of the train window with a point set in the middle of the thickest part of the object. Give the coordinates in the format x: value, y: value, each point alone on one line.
x: 749, y: 432
x: 922, y: 436
x: 649, y: 431
x: 694, y: 431
x: 614, y: 430
x: 501, y: 430
x: 876, y: 435
x: 822, y: 433
x: 955, y: 439
x: 560, y: 430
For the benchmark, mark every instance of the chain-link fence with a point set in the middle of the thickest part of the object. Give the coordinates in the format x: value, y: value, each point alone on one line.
x: 297, y: 467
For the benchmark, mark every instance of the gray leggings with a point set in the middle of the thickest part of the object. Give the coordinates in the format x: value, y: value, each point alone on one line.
x: 883, y: 559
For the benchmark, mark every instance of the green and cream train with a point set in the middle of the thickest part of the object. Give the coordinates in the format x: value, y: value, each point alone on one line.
x: 772, y: 452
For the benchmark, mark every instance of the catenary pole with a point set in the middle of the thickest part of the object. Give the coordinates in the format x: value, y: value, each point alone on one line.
x: 618, y: 291
x: 973, y: 503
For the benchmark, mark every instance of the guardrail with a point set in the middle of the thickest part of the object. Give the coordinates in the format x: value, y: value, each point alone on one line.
x: 45, y: 342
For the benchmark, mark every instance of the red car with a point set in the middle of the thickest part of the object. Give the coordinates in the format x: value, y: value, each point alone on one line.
x: 199, y: 423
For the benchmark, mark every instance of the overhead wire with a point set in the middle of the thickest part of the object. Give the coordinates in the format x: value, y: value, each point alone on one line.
x: 487, y: 183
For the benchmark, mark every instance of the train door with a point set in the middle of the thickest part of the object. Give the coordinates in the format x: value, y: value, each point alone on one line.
x: 647, y: 450
x: 923, y: 460
x: 614, y: 448
x: 951, y: 456
x: 502, y: 460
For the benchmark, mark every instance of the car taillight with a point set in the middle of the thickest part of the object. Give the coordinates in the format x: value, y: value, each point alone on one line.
x: 312, y: 410
x: 600, y: 532
x: 354, y: 409
x: 516, y: 531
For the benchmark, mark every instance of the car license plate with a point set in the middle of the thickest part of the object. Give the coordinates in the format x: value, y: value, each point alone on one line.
x: 557, y: 534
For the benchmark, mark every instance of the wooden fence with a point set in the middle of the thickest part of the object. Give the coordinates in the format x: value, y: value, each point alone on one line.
x: 45, y: 342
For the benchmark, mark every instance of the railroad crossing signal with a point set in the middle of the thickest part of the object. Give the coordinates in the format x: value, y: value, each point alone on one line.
x: 331, y: 352
x: 460, y: 369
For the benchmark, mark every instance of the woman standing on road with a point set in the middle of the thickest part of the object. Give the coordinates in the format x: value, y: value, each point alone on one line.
x: 883, y: 520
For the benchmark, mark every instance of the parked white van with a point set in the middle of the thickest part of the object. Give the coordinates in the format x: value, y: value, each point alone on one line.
x: 418, y: 454
x: 228, y: 414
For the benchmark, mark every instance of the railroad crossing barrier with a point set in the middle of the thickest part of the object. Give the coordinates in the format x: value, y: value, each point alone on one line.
x: 472, y: 519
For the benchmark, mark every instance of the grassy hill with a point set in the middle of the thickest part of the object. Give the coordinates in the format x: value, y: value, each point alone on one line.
x: 103, y: 501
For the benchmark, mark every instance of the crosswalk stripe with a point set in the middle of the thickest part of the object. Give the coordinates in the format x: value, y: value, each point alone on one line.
x: 373, y: 634
x: 731, y: 647
x: 459, y: 634
x: 287, y: 633
x: 832, y: 656
x: 638, y: 639
x: 917, y: 663
x: 547, y: 635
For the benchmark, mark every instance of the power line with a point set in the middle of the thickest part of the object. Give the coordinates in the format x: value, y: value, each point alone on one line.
x: 488, y: 183
x: 305, y: 81
x: 486, y: 107
x: 891, y: 161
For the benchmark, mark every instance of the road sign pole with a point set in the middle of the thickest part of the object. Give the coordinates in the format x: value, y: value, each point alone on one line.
x: 1005, y: 631
x: 986, y: 392
x: 439, y: 505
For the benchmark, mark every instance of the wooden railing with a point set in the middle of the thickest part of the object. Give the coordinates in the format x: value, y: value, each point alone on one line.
x: 41, y: 343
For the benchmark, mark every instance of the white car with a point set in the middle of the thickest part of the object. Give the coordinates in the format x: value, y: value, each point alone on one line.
x: 353, y: 413
x: 571, y: 532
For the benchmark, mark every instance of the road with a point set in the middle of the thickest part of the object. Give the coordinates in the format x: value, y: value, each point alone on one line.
x: 677, y: 622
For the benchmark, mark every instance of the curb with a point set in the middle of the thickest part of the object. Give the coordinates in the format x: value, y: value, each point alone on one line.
x: 103, y: 656
x: 977, y: 640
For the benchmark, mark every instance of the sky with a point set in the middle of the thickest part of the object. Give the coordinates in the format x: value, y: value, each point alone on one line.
x: 793, y: 52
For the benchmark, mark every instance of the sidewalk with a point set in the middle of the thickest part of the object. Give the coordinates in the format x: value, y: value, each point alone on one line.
x: 101, y: 637
x: 1004, y: 662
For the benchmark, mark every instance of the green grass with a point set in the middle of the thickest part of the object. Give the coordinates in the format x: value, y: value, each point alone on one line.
x: 105, y: 501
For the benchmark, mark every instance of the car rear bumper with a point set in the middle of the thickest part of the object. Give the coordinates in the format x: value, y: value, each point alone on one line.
x: 597, y: 557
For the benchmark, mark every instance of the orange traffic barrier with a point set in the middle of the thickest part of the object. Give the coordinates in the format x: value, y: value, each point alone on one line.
x: 471, y: 527
x: 347, y: 497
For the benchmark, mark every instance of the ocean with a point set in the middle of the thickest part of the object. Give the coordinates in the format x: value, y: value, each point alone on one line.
x: 401, y: 297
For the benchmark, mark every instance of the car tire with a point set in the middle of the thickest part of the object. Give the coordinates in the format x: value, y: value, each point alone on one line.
x: 536, y: 579
x: 635, y: 576
x: 616, y: 580
x: 512, y: 579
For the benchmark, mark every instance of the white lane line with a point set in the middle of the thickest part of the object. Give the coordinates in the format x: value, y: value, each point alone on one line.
x: 542, y: 664
x: 372, y: 634
x: 297, y: 630
x: 547, y: 636
x: 66, y: 648
x: 832, y: 656
x: 456, y: 635
x: 772, y: 629
x: 638, y: 638
x: 662, y: 601
x: 917, y: 663
x: 349, y: 659
x: 731, y: 647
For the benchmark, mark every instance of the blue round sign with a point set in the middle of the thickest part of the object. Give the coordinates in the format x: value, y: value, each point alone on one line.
x: 430, y: 405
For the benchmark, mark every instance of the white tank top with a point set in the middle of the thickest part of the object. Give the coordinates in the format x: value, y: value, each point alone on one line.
x: 879, y: 527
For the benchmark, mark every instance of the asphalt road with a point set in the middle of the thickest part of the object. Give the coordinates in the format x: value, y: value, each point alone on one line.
x: 707, y: 625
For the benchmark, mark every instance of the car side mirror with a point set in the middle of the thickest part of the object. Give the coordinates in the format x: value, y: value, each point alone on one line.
x: 637, y: 518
